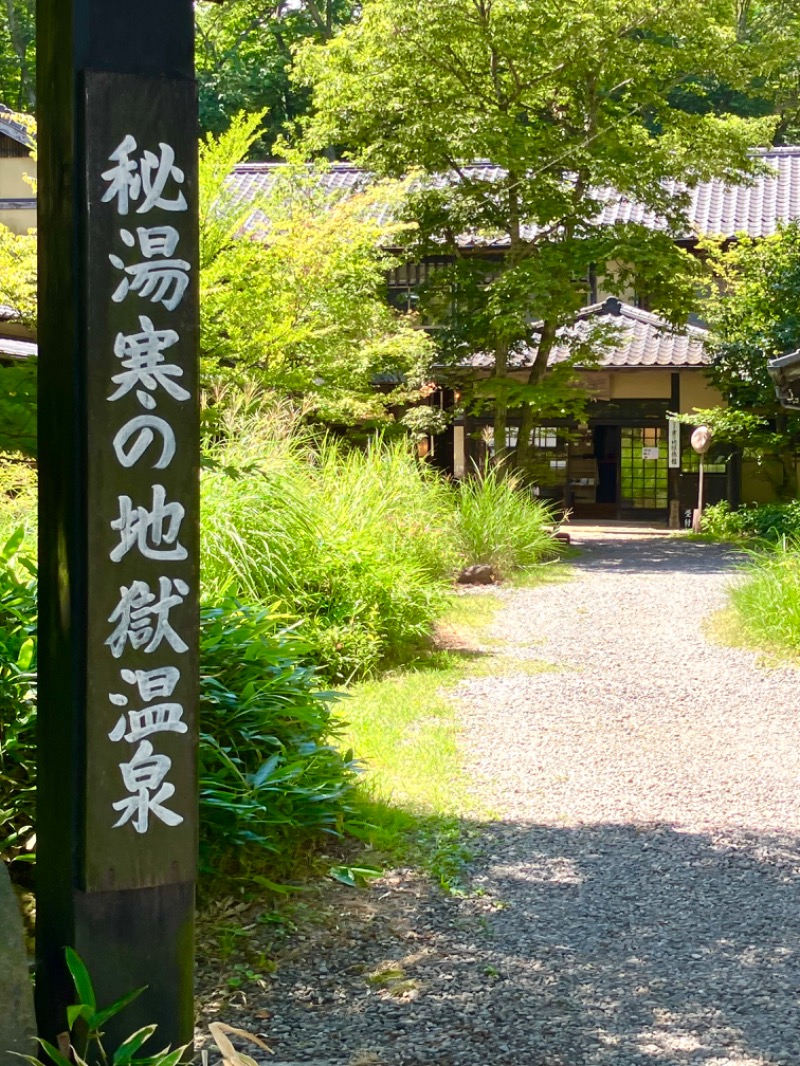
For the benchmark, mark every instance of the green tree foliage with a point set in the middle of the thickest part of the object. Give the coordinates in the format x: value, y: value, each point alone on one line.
x: 295, y: 304
x: 755, y: 316
x: 18, y: 54
x: 244, y: 59
x: 568, y: 100
x: 18, y: 380
x: 768, y: 33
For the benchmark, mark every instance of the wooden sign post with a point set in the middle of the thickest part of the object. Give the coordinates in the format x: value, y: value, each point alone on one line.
x: 119, y: 461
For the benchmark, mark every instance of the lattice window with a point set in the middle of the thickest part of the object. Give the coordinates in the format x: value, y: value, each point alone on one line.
x: 644, y: 471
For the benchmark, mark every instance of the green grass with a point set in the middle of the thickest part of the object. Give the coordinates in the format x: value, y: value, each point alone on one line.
x: 416, y: 802
x: 767, y: 602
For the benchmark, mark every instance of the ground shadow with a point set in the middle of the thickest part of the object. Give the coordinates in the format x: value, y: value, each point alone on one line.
x: 655, y: 555
x: 602, y: 944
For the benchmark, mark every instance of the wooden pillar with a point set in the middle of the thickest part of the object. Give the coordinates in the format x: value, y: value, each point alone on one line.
x: 119, y: 461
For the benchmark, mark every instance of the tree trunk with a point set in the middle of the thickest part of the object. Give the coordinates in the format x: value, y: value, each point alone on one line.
x: 537, y: 373
x: 500, y: 426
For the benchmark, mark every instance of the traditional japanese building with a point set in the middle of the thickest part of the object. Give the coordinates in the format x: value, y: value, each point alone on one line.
x: 630, y: 461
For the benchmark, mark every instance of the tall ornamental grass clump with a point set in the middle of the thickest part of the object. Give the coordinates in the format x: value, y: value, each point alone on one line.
x: 357, y: 544
x: 500, y: 524
x: 767, y: 602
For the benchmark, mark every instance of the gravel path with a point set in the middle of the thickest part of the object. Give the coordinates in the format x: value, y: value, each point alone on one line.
x: 638, y: 899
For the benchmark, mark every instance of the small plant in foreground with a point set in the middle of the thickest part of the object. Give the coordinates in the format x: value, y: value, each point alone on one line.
x: 85, y: 1023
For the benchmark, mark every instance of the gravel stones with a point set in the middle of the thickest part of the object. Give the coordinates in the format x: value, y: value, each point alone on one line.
x: 637, y: 900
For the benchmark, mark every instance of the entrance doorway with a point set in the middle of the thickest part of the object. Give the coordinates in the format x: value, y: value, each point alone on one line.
x: 619, y: 472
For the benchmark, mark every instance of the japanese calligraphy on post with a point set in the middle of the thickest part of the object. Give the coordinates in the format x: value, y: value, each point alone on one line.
x: 142, y: 487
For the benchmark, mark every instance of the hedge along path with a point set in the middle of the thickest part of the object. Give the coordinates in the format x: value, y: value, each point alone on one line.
x: 637, y: 900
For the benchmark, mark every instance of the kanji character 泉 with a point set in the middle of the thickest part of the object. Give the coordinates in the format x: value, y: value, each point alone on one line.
x: 146, y: 530
x: 143, y: 621
x: 144, y: 777
x: 142, y: 356
x: 129, y: 178
x: 144, y: 427
x: 163, y: 282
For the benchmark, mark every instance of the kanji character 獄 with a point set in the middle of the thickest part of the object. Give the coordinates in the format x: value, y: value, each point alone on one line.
x: 143, y: 620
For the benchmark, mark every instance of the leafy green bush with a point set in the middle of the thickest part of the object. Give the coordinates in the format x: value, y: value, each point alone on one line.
x: 17, y: 700
x: 270, y: 775
x: 500, y: 525
x: 767, y: 602
x: 269, y: 772
x: 771, y: 521
x: 357, y: 544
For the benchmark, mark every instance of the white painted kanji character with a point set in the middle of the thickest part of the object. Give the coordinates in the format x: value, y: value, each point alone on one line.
x: 147, y: 529
x: 143, y: 429
x: 157, y: 718
x: 164, y: 281
x: 124, y: 180
x: 158, y: 684
x: 142, y: 356
x: 156, y: 172
x: 129, y: 178
x: 144, y: 777
x: 142, y: 620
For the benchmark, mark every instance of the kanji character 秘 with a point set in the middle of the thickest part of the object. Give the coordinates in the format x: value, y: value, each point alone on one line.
x: 129, y: 178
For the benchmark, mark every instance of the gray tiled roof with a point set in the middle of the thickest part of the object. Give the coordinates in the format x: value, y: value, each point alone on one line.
x: 715, y: 209
x: 642, y: 340
x: 13, y: 128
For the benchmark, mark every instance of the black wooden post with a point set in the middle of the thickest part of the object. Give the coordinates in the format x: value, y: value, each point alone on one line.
x: 118, y: 447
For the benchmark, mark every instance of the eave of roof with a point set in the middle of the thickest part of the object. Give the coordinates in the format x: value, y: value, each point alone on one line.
x: 642, y: 341
x: 13, y: 128
x: 756, y: 208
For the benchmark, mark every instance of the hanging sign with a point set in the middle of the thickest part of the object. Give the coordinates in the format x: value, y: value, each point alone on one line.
x: 674, y: 448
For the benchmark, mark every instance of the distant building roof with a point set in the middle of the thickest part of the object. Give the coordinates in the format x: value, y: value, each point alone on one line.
x: 11, y: 348
x: 11, y: 126
x: 642, y: 340
x: 715, y: 209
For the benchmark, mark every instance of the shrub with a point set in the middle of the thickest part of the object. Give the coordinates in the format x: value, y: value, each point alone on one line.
x: 500, y: 525
x: 770, y: 522
x: 270, y: 775
x: 17, y: 700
